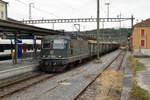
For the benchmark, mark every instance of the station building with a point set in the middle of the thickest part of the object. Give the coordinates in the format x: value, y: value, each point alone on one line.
x: 3, y: 13
x: 3, y: 10
x: 141, y: 38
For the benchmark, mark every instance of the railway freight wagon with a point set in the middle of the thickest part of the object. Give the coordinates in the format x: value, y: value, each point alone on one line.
x: 57, y: 52
x: 105, y: 47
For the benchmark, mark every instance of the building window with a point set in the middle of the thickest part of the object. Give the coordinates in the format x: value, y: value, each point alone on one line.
x: 2, y: 14
x: 142, y: 32
x: 142, y: 43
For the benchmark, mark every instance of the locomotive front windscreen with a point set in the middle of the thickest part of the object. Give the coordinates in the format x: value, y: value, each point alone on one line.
x: 54, y: 44
x: 58, y: 44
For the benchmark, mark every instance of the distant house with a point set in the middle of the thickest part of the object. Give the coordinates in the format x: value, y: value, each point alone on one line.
x: 3, y: 15
x: 141, y: 37
x: 3, y: 10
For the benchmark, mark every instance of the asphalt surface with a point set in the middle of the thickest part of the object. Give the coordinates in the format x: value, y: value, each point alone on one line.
x: 143, y: 77
x: 7, y: 64
x: 8, y: 69
x: 128, y: 79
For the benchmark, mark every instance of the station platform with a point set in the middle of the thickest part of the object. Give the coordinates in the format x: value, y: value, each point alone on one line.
x: 8, y: 69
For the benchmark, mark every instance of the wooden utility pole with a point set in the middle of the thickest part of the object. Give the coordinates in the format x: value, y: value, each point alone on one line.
x: 132, y: 29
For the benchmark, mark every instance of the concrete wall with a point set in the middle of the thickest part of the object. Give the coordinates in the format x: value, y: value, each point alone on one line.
x: 142, y: 52
x: 3, y: 10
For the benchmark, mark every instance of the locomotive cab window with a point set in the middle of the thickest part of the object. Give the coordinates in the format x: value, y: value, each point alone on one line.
x: 59, y: 44
x: 46, y: 44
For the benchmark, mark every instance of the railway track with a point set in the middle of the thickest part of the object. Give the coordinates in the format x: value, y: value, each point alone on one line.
x: 120, y: 56
x: 14, y: 86
x: 17, y: 79
x: 19, y: 83
x: 29, y: 81
x: 17, y: 70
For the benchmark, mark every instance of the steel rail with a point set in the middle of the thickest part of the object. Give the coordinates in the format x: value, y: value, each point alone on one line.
x: 99, y: 75
x: 28, y: 84
x: 11, y: 84
x: 15, y: 80
x: 5, y: 87
x: 120, y: 65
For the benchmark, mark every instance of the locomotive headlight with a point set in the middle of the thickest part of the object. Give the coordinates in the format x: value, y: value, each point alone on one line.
x: 44, y: 56
x: 59, y: 56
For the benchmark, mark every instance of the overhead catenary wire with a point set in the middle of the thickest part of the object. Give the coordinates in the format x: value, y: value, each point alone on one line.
x: 38, y: 9
x: 41, y: 10
x: 21, y: 2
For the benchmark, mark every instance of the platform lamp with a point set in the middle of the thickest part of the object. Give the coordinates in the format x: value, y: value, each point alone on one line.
x: 30, y: 11
x: 107, y: 4
x: 77, y: 26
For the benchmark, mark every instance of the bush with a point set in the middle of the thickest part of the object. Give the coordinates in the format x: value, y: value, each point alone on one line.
x: 137, y: 93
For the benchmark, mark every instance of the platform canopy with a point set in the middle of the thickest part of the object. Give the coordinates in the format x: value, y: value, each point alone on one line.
x: 19, y: 28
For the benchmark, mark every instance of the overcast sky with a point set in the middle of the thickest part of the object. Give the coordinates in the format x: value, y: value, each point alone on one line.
x: 48, y: 9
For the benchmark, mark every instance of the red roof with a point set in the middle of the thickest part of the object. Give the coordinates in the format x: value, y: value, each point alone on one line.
x: 145, y: 23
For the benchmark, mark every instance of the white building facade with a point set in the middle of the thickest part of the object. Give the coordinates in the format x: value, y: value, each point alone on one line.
x: 3, y: 10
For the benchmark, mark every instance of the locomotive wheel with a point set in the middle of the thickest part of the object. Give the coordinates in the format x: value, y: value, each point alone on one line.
x: 42, y: 67
x: 60, y: 68
x: 54, y: 69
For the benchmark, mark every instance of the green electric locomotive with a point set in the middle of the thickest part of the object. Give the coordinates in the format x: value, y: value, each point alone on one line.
x: 59, y: 51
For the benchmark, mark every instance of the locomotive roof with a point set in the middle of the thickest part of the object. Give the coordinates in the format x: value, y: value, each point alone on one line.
x: 57, y: 37
x: 102, y: 42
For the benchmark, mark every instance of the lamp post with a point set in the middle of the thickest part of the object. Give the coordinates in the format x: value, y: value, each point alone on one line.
x: 30, y: 12
x: 107, y: 4
x: 78, y: 28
